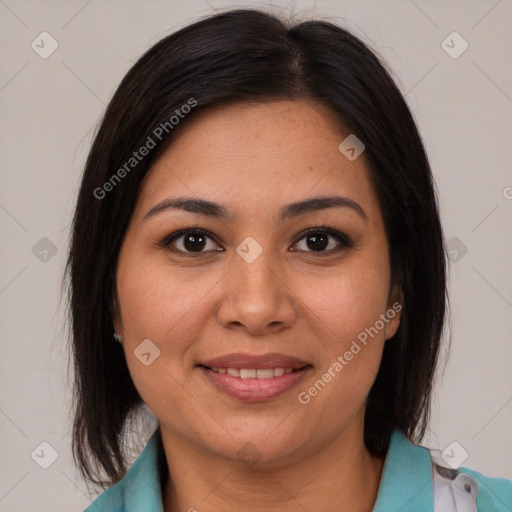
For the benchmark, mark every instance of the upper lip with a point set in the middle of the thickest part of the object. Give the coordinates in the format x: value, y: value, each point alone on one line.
x: 239, y: 360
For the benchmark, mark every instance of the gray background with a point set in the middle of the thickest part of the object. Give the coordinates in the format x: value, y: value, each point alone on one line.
x: 50, y: 108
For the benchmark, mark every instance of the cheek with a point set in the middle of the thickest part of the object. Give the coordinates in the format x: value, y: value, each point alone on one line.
x: 345, y: 303
x: 167, y: 308
x: 346, y: 310
x: 159, y: 304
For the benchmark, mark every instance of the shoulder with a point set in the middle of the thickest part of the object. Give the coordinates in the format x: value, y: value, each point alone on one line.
x: 416, y: 478
x: 138, y: 490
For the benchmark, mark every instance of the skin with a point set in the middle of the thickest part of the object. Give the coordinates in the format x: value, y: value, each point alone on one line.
x: 254, y: 159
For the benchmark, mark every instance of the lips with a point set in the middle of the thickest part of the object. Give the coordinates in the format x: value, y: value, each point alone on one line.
x: 254, y: 378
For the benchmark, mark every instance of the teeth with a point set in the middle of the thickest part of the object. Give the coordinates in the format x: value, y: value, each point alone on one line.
x: 235, y: 372
x: 253, y: 373
x: 248, y: 374
x: 264, y: 373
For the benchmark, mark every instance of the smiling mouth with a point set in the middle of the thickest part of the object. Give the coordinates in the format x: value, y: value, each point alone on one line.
x: 253, y: 373
x: 254, y: 384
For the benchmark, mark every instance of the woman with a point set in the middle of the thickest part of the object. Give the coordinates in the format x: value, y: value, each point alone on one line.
x: 257, y: 257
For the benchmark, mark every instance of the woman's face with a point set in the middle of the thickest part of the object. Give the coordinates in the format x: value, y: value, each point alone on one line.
x: 252, y: 290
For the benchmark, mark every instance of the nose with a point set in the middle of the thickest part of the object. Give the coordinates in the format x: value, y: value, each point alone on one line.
x: 256, y: 298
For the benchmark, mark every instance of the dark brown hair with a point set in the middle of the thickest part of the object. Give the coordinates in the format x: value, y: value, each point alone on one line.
x: 246, y: 55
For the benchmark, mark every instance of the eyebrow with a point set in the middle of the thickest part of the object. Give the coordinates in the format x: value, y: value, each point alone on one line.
x: 210, y: 209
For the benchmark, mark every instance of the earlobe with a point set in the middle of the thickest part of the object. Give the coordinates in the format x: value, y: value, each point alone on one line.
x: 393, y: 312
x: 117, y: 327
x: 116, y: 322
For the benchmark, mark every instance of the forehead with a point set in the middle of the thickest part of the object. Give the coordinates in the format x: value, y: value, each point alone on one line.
x: 257, y: 157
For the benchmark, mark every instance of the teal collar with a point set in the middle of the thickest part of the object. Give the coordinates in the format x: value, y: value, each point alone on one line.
x: 406, y: 482
x: 139, y: 489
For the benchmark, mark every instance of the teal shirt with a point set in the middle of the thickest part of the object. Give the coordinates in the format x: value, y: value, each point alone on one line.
x: 405, y: 486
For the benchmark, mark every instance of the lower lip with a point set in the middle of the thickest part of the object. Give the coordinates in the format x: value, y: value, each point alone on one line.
x: 254, y: 390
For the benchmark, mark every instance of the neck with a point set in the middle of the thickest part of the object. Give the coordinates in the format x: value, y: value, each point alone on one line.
x: 342, y: 476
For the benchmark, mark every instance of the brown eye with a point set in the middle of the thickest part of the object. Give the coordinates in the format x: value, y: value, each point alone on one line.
x: 190, y: 241
x: 320, y: 240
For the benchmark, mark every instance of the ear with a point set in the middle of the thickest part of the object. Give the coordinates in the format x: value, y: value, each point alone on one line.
x: 393, y: 311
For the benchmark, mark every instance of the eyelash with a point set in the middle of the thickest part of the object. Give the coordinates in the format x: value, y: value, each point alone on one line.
x: 344, y: 241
